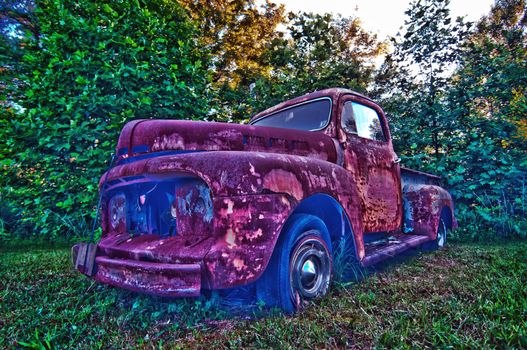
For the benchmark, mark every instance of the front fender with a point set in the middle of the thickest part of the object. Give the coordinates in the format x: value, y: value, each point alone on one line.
x: 250, y: 173
x: 254, y: 185
x: 252, y: 207
x: 246, y: 229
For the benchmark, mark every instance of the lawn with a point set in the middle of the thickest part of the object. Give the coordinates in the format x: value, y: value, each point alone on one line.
x: 465, y: 296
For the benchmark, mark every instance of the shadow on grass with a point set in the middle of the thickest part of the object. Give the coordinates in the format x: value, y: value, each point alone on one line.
x: 59, y: 306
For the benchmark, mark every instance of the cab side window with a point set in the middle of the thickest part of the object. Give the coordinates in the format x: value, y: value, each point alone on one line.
x: 362, y: 120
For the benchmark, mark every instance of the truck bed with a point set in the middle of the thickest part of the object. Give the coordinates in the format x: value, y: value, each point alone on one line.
x: 414, y: 177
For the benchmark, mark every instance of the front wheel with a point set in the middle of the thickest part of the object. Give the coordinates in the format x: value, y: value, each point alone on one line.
x: 301, y: 265
x: 309, y: 268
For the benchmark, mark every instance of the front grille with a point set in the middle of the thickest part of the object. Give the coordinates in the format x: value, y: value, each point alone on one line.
x: 155, y: 207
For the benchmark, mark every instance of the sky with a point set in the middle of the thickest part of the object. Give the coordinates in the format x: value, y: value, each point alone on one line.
x: 383, y: 17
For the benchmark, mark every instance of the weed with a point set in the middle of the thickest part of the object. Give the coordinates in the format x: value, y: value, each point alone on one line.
x: 37, y: 342
x: 78, y: 228
x: 346, y: 267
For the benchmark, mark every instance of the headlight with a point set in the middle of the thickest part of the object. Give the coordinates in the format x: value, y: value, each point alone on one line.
x: 117, y: 209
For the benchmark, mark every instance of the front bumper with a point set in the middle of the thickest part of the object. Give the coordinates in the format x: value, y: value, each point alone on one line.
x: 167, y: 280
x: 232, y: 252
x: 161, y: 279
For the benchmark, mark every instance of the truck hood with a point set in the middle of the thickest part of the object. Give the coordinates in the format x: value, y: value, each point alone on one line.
x: 144, y: 138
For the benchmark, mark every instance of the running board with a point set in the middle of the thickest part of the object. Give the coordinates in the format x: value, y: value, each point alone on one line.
x: 391, y: 247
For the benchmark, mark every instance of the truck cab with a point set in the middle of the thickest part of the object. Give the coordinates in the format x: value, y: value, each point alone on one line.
x: 193, y: 206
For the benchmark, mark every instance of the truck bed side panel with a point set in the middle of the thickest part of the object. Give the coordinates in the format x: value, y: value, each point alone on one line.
x: 423, y: 204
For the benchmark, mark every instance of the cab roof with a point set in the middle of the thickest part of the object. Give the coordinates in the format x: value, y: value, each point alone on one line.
x: 333, y: 93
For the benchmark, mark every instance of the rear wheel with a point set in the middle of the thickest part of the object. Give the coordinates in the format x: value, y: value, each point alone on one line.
x: 440, y: 240
x: 441, y: 234
x: 300, y: 267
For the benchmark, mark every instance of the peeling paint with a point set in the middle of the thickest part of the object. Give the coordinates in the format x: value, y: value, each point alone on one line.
x: 230, y: 238
x: 203, y: 204
x: 281, y: 181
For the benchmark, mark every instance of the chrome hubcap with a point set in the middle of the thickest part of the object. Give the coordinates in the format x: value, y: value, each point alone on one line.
x: 310, y: 270
x: 309, y: 273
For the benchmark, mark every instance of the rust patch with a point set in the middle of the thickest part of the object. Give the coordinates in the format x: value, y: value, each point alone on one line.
x: 169, y: 280
x: 424, y: 204
x: 281, y: 181
x: 248, y: 241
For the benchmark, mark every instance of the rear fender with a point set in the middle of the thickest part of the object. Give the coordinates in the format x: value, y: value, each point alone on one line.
x: 424, y: 205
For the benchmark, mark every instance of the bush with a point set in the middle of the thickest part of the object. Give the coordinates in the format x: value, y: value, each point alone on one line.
x: 93, y: 66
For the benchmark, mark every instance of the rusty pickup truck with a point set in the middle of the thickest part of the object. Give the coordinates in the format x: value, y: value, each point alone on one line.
x: 195, y: 206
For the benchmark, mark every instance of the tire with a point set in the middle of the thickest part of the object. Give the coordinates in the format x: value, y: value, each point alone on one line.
x: 300, y: 268
x: 440, y: 240
x: 441, y: 234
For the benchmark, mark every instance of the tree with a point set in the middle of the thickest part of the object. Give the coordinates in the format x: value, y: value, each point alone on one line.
x: 236, y: 33
x: 488, y: 100
x: 17, y: 25
x: 414, y: 78
x: 317, y: 52
x: 458, y: 108
x: 494, y: 70
x: 95, y: 66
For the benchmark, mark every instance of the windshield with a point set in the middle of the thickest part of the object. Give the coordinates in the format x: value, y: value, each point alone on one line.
x: 307, y: 116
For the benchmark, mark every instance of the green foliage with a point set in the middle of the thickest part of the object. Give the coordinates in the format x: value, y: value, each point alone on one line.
x: 487, y: 100
x: 74, y: 73
x: 93, y: 66
x: 456, y: 101
x: 237, y: 33
x: 316, y: 52
x: 415, y: 77
x: 463, y: 296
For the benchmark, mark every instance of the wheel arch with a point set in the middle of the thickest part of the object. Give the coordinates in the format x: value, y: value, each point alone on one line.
x: 447, y: 216
x: 333, y: 215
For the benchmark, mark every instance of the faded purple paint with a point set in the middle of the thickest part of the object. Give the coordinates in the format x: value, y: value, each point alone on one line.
x: 247, y: 228
x: 245, y: 182
x: 146, y: 136
x: 169, y: 280
x: 426, y: 204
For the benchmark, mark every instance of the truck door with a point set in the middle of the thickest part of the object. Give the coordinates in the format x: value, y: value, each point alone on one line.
x: 369, y: 157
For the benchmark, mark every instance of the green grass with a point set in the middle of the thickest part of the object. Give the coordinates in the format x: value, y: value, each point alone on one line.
x: 465, y: 296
